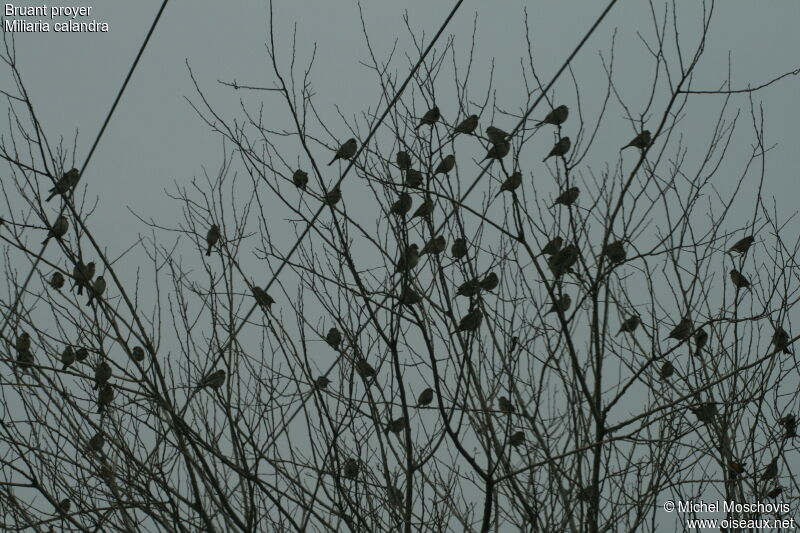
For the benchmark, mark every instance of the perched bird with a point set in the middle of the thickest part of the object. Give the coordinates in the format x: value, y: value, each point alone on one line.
x: 25, y: 360
x: 364, y: 369
x: 561, y: 304
x: 735, y: 468
x: 403, y: 160
x: 567, y: 197
x: 58, y: 229
x: 556, y: 117
x: 429, y: 118
x: 102, y: 373
x: 350, y: 468
x: 742, y: 245
x: 562, y: 261
x: 705, y: 412
x: 57, y: 280
x: 397, y: 425
x: 789, y: 423
x: 434, y: 246
x: 490, y: 282
x: 459, y: 248
x: 395, y: 497
x: 471, y: 321
x: 263, y: 299
x: 212, y: 380
x: 771, y: 471
x: 409, y: 296
x: 413, y: 178
x: 468, y: 125
x: 96, y: 443
x: 332, y: 197
x: 498, y: 151
x: 667, y: 369
x: 63, y: 506
x: 333, y: 338
x: 780, y: 339
x: 67, y: 357
x: 300, y: 179
x: 775, y: 492
x: 96, y: 289
x: 505, y: 405
x: 445, y: 165
x: 424, y: 210
x: 67, y: 182
x: 700, y: 340
x: 469, y: 288
x: 641, y: 141
x: 553, y: 246
x: 345, y: 151
x: 683, y: 330
x: 82, y: 275
x: 408, y: 259
x: 517, y: 439
x: 496, y: 135
x: 559, y: 149
x: 615, y: 251
x: 738, y: 279
x: 511, y: 183
x: 402, y: 205
x: 81, y: 354
x: 629, y: 325
x: 137, y: 354
x: 23, y: 342
x: 212, y: 237
x: 104, y: 398
x: 321, y: 383
x: 425, y: 397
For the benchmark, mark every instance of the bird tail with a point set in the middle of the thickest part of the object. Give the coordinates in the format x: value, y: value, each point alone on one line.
x: 52, y: 192
x: 332, y: 161
x: 45, y: 240
x: 208, y: 252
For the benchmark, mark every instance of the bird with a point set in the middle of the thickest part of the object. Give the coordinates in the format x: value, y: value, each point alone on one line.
x: 397, y: 425
x: 471, y: 321
x: 332, y: 197
x: 789, y: 423
x: 498, y: 151
x: 300, y: 179
x: 263, y: 299
x: 459, y: 248
x: 413, y: 178
x: 496, y: 135
x: 25, y: 360
x: 445, y: 165
x: 67, y: 357
x: 641, y: 141
x: 82, y: 274
x: 771, y: 471
x: 511, y: 183
x: 321, y: 383
x: 97, y: 289
x: 104, y: 398
x: 333, y: 338
x: 615, y: 251
x: 403, y: 160
x: 395, y: 498
x: 67, y: 182
x: 96, y: 443
x: 553, y: 246
x: 563, y: 260
x: 561, y: 304
x: 468, y: 125
x: 58, y: 229
x: 102, y: 373
x: 212, y: 236
x: 735, y: 468
x: 704, y: 411
x: 738, y: 279
x: 469, y: 288
x: 63, y: 506
x: 742, y: 245
x: 780, y: 339
x: 429, y: 118
x: 57, y: 280
x: 700, y: 340
x: 350, y: 468
x: 81, y: 354
x: 212, y: 380
x: 424, y: 210
x: 137, y: 354
x: 364, y: 369
x: 667, y: 369
x: 567, y: 197
x: 345, y: 151
x: 682, y: 330
x: 629, y: 325
x: 23, y: 342
x: 490, y: 282
x: 559, y: 149
x: 517, y: 439
x: 409, y: 296
x: 402, y: 205
x: 556, y: 117
x: 505, y: 405
x: 408, y: 259
x: 434, y: 246
x: 425, y: 397
x: 775, y: 492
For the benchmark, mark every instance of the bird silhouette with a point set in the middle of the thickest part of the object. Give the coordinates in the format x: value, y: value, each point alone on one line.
x: 560, y: 149
x: 468, y: 125
x: 346, y: 151
x: 641, y: 141
x: 430, y: 117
